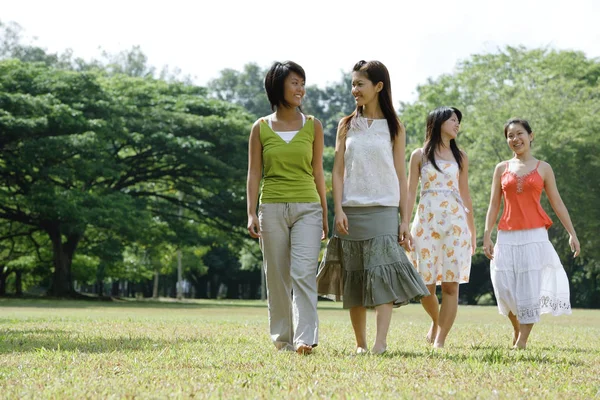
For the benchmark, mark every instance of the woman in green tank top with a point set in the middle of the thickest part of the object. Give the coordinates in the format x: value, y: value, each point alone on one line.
x: 285, y: 150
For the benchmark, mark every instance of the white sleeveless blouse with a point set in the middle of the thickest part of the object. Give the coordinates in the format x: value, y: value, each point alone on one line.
x: 370, y: 177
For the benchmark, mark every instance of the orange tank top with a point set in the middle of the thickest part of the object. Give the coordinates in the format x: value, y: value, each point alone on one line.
x: 522, y: 207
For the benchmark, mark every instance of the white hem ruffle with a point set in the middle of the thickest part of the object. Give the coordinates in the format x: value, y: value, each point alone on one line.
x: 528, y: 277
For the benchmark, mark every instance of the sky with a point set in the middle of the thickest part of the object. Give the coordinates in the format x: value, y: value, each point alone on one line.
x: 416, y: 40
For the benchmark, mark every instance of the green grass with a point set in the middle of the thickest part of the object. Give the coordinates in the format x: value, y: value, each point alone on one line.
x: 221, y: 349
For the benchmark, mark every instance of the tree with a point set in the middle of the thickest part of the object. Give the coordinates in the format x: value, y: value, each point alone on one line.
x: 245, y: 89
x: 22, y: 249
x: 80, y: 149
x: 12, y: 46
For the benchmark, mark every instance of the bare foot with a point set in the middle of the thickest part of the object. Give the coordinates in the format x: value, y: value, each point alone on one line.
x: 304, y: 349
x: 520, y: 346
x: 378, y: 349
x: 431, y: 334
x: 438, y: 345
x: 361, y: 351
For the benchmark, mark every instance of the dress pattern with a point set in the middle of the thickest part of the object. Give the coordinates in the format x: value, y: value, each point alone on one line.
x: 442, y: 240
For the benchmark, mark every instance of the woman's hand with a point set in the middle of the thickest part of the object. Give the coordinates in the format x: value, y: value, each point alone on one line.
x: 341, y: 222
x: 488, y: 247
x: 404, y: 237
x: 325, y: 229
x: 574, y: 244
x: 253, y: 226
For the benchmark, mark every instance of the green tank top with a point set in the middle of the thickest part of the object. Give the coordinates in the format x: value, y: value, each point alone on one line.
x: 287, y: 167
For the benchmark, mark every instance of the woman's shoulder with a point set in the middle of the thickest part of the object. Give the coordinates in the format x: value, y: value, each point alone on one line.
x: 544, y: 164
x: 256, y: 126
x: 260, y: 120
x: 502, y: 166
x: 544, y: 169
x: 417, y: 153
x: 316, y: 121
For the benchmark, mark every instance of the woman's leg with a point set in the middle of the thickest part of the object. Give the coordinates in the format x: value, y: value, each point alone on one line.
x: 448, y: 312
x: 304, y: 259
x: 383, y: 314
x: 524, y: 331
x: 431, y: 305
x: 275, y: 244
x: 516, y: 326
x: 358, y: 316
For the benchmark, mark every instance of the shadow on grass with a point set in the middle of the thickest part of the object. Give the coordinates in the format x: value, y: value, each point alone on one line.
x: 56, y: 340
x: 49, y: 340
x: 130, y: 303
x: 116, y: 302
x: 534, y: 348
x: 491, y: 355
x: 577, y: 350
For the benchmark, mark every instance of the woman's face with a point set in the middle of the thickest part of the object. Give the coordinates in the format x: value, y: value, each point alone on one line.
x: 518, y: 139
x: 450, y: 127
x: 363, y: 90
x: 293, y: 89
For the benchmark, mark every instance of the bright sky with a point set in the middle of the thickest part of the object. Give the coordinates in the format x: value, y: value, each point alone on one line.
x: 416, y: 39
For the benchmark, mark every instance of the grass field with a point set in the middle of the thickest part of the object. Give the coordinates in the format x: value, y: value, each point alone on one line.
x: 221, y: 349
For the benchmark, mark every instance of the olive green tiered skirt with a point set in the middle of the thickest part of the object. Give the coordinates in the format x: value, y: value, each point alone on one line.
x: 368, y: 267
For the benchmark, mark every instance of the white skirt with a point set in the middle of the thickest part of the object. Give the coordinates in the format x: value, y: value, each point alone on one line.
x: 528, y: 277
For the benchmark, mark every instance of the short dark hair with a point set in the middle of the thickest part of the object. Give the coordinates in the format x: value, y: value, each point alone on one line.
x: 521, y: 121
x: 274, y: 81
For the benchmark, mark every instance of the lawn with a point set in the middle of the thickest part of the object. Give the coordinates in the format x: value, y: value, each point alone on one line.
x: 221, y: 349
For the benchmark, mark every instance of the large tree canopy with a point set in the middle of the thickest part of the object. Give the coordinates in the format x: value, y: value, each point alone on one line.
x: 118, y: 153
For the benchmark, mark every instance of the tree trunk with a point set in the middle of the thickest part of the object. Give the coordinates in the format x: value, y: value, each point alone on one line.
x: 148, y: 287
x: 62, y: 282
x: 165, y: 286
x: 18, y: 283
x: 155, y: 287
x: 3, y: 276
x: 594, y: 292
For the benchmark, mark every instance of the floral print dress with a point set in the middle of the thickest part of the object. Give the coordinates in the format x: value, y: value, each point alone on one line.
x: 442, y: 240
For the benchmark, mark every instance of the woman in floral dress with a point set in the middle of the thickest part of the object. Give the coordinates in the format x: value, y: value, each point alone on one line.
x: 443, y: 231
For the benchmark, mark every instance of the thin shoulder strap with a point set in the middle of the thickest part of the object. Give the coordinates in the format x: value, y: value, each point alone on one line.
x: 270, y: 121
x: 538, y: 164
x: 507, y: 164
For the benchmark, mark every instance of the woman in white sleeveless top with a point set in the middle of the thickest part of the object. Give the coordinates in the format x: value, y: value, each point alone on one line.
x: 364, y: 263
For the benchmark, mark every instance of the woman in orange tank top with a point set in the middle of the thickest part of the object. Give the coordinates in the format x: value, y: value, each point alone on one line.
x: 526, y: 272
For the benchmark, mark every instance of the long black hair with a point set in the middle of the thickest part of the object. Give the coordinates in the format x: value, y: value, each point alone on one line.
x: 376, y: 72
x: 433, y: 136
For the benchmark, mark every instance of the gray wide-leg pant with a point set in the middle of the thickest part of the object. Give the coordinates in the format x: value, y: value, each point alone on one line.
x: 290, y: 243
